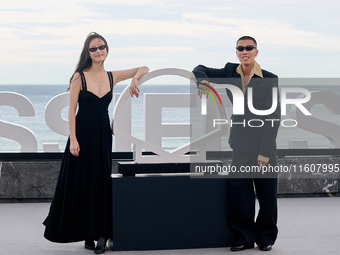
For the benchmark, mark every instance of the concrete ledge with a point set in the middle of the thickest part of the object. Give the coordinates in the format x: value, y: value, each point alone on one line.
x: 303, y: 182
x: 28, y: 179
x: 36, y: 179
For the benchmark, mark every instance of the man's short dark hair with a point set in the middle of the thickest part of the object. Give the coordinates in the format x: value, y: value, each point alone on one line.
x: 247, y: 37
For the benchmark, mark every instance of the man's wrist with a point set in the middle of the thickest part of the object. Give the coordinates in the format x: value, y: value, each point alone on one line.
x: 202, y: 82
x: 263, y: 158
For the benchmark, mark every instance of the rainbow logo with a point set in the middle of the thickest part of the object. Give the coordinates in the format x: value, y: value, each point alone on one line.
x: 204, y: 102
x: 209, y: 93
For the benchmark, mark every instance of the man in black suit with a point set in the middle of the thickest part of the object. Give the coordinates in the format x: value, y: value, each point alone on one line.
x: 252, y: 138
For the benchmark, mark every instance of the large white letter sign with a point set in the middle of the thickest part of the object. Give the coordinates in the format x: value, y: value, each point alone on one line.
x: 177, y: 155
x: 124, y: 124
x: 54, y: 120
x: 15, y: 132
x: 154, y: 128
x: 317, y: 126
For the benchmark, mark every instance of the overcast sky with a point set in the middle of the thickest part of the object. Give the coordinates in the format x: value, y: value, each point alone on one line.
x: 40, y: 41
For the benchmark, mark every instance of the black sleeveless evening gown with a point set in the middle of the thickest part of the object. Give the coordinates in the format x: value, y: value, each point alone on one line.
x: 81, y: 207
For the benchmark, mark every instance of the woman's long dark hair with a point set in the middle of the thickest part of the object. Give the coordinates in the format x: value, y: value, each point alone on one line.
x: 84, y: 60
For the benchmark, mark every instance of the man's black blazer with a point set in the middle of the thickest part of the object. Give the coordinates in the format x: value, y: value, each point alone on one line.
x: 245, y: 138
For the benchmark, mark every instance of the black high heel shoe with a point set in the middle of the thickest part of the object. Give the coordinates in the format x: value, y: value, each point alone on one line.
x: 101, y: 245
x: 89, y: 244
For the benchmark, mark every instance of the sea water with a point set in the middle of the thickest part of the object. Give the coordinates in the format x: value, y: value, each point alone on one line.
x: 40, y: 95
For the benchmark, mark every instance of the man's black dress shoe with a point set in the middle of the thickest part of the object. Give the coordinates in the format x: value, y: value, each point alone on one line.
x: 238, y: 248
x: 101, y: 245
x: 89, y: 244
x: 265, y: 247
x: 241, y: 247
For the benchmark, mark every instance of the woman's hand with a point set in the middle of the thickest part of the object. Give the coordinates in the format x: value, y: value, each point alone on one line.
x: 134, y: 88
x: 74, y: 147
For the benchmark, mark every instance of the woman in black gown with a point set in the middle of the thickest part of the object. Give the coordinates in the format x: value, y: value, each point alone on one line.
x: 81, y: 208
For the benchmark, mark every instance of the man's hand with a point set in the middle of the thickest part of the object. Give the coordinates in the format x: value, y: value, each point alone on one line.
x: 202, y: 86
x: 261, y: 163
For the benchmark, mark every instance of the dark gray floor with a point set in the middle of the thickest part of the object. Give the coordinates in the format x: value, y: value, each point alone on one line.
x: 306, y: 226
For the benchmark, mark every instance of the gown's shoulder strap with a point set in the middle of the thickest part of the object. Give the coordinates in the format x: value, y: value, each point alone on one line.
x: 111, y: 79
x: 83, y: 81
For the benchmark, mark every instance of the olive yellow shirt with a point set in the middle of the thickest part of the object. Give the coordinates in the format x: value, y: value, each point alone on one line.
x: 255, y: 70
